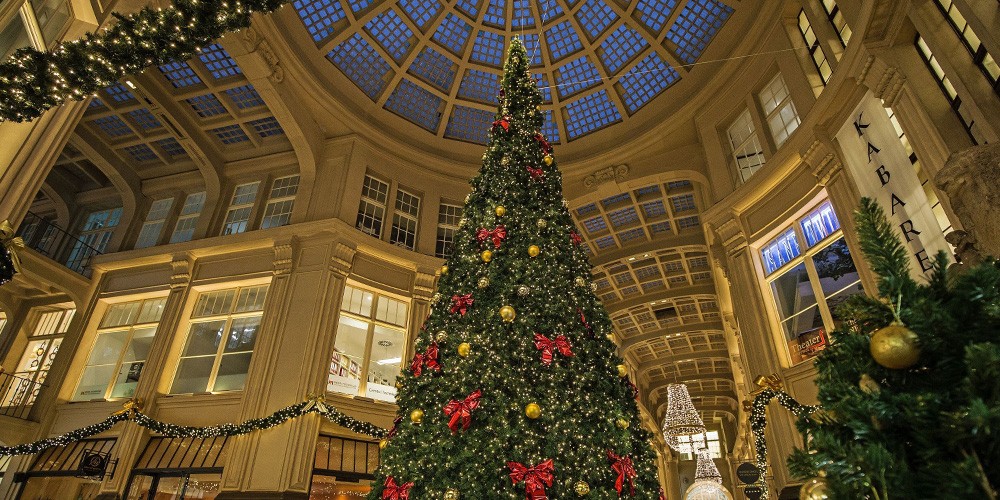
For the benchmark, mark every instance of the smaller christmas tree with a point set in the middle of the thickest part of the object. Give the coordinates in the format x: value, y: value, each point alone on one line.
x: 911, y: 386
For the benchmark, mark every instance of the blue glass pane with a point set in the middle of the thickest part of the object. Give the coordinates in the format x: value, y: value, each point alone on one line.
x: 779, y: 251
x: 95, y: 103
x: 434, y: 68
x: 522, y: 17
x: 645, y: 81
x: 219, y: 62
x: 562, y: 40
x: 619, y: 48
x: 590, y: 113
x: 496, y: 13
x: 575, y: 76
x: 586, y: 210
x: 543, y: 87
x: 319, y: 16
x: 549, y: 128
x: 171, y: 147
x: 469, y: 124
x: 144, y: 119
x: 654, y: 209
x: 696, y: 26
x: 420, y: 11
x: 488, y: 48
x: 230, y: 134
x: 469, y: 7
x: 359, y: 5
x: 532, y: 48
x: 480, y: 86
x: 179, y: 74
x: 140, y: 153
x: 267, y: 127
x: 245, y: 97
x: 549, y: 9
x: 654, y: 13
x: 362, y: 64
x: 611, y: 201
x: 389, y: 30
x: 119, y: 93
x: 206, y: 105
x: 452, y: 33
x: 416, y: 104
x: 819, y: 224
x: 595, y: 16
x: 113, y: 126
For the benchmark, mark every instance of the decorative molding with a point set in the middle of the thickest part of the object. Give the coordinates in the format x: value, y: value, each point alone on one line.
x: 889, y: 85
x: 180, y: 271
x: 283, y: 257
x: 616, y: 173
x: 342, y: 259
x: 825, y: 164
x: 869, y: 62
x: 254, y: 43
x: 732, y: 236
x: 885, y: 22
x: 423, y: 286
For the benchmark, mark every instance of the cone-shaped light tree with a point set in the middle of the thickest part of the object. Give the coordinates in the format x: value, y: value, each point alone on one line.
x: 516, y: 390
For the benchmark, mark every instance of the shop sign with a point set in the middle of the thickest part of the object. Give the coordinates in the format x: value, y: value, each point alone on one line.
x: 807, y: 344
x: 881, y: 168
x: 93, y: 464
x: 753, y: 492
x: 748, y: 473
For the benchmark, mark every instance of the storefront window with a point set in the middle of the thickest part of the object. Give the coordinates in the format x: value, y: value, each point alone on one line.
x: 371, y: 336
x: 343, y: 469
x: 120, y: 351
x: 810, y: 272
x: 68, y: 471
x: 36, y: 361
x: 178, y: 469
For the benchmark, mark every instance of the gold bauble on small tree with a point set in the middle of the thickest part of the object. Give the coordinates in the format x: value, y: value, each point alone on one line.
x: 895, y: 347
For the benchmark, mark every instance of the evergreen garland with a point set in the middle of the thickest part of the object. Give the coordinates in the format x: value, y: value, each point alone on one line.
x: 758, y: 423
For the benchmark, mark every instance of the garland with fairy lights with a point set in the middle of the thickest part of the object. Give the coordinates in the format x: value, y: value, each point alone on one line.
x: 32, y: 81
x: 132, y: 413
x: 758, y: 422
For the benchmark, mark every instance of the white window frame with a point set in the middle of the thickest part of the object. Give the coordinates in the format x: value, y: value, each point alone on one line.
x: 156, y: 218
x: 373, y: 206
x: 187, y: 221
x: 964, y: 114
x: 747, y: 151
x: 816, y: 54
x: 240, y: 210
x: 449, y: 215
x: 836, y: 17
x: 49, y: 326
x: 709, y: 440
x: 405, y: 219
x: 96, y: 231
x: 779, y: 110
x: 280, y: 202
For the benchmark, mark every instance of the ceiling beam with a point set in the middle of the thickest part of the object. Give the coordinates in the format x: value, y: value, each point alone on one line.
x: 633, y: 340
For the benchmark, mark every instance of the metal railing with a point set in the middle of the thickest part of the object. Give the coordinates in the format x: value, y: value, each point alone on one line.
x: 18, y: 395
x: 56, y: 243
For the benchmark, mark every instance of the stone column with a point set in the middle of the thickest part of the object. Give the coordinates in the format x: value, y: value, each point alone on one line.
x: 971, y: 180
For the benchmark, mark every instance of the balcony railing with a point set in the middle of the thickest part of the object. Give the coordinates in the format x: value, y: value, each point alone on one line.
x: 56, y: 243
x: 18, y: 395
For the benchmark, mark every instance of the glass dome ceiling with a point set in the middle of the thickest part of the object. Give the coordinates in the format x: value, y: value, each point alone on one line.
x: 437, y: 63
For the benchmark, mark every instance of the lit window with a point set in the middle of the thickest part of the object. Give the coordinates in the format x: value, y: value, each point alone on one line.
x: 963, y: 114
x: 942, y: 218
x: 404, y: 220
x: 3, y: 320
x: 36, y: 361
x: 224, y: 325
x: 153, y: 227
x: 94, y: 236
x: 706, y: 440
x: 188, y: 219
x: 983, y: 60
x: 124, y: 338
x: 371, y: 336
x: 747, y: 152
x: 815, y: 51
x: 837, y: 20
x: 779, y: 109
x: 448, y: 218
x: 279, y: 204
x: 240, y: 207
x: 371, y: 211
x: 810, y: 272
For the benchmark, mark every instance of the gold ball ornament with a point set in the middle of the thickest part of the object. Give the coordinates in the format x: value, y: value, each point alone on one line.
x: 483, y: 282
x: 464, y: 349
x: 581, y: 488
x: 548, y: 160
x: 500, y: 210
x: 622, y: 423
x: 444, y: 269
x: 579, y: 281
x: 533, y: 251
x: 533, y: 411
x: 868, y: 385
x: 622, y: 371
x: 441, y: 336
x: 895, y: 347
x: 451, y: 494
x: 382, y: 444
x: 507, y: 313
x: 541, y: 223
x: 815, y: 489
x: 417, y: 416
x: 487, y: 255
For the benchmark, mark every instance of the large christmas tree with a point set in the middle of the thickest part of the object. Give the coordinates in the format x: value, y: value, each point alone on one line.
x: 516, y: 390
x: 910, y: 388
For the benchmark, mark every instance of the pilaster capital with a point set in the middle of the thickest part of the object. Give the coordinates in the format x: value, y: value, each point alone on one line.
x: 423, y: 286
x: 284, y: 256
x: 823, y: 160
x: 342, y: 258
x: 255, y: 43
x: 732, y: 236
x: 885, y: 81
x: 181, y: 269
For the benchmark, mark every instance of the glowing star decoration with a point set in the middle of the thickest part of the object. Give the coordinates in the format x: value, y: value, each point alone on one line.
x: 681, y: 419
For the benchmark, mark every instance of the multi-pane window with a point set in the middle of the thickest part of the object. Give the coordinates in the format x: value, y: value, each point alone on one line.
x: 404, y: 220
x: 36, y: 361
x: 782, y: 118
x: 279, y: 203
x: 815, y: 51
x: 153, y: 227
x: 3, y: 321
x: 238, y: 216
x: 448, y: 219
x: 942, y: 218
x: 837, y: 20
x: 983, y: 60
x: 962, y: 112
x: 123, y: 340
x: 94, y: 236
x: 224, y: 325
x: 704, y: 441
x: 747, y: 152
x: 371, y: 211
x: 371, y: 340
x: 188, y: 219
x: 809, y: 270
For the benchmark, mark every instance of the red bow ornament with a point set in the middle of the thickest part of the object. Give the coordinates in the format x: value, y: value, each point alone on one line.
x: 632, y: 387
x: 395, y: 428
x: 496, y: 235
x: 393, y: 491
x: 583, y: 319
x: 428, y: 358
x: 503, y: 123
x: 575, y: 238
x: 625, y: 470
x: 536, y: 173
x: 542, y: 143
x: 536, y: 478
x: 549, y: 347
x: 460, y: 303
x: 461, y: 411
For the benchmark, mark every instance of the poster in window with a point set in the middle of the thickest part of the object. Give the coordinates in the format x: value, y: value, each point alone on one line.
x: 807, y: 344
